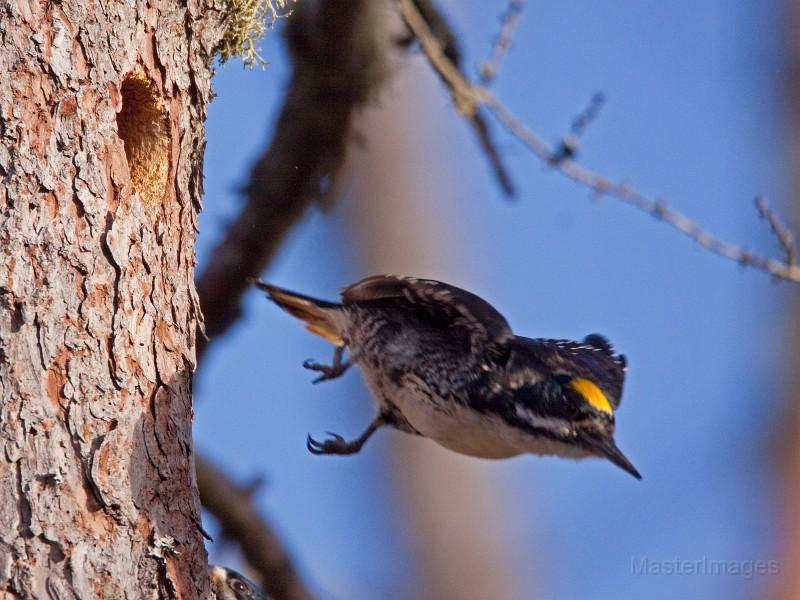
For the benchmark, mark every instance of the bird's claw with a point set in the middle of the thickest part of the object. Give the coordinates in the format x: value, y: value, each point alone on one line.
x: 328, y: 371
x: 335, y: 444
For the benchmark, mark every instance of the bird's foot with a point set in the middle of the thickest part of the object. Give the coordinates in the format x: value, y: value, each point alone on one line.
x: 335, y: 444
x: 337, y: 369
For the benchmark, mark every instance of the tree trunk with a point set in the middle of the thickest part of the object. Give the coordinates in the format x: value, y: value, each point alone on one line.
x: 101, y: 144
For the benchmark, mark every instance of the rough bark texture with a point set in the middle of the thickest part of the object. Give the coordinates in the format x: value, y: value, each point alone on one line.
x: 101, y: 141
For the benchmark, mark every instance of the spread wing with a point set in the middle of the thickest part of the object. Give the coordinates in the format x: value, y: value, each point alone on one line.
x: 593, y: 359
x: 450, y: 305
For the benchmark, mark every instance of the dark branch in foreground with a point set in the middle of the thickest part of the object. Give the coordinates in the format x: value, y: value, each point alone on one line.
x: 233, y: 507
x: 473, y: 96
x: 336, y: 67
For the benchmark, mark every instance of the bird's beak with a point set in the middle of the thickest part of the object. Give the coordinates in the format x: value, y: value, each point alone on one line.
x: 605, y: 447
x: 616, y: 456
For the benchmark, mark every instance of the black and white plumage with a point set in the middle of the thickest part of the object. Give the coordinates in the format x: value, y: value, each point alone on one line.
x: 443, y: 363
x: 231, y: 585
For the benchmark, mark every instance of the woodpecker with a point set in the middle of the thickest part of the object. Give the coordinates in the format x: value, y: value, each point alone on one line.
x: 230, y: 585
x: 444, y: 364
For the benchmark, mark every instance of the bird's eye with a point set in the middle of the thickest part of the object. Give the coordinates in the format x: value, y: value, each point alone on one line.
x: 238, y: 586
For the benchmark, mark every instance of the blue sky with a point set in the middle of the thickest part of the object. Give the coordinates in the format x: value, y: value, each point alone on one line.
x: 693, y: 115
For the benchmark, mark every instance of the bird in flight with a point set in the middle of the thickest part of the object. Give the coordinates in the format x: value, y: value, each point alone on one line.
x: 444, y: 364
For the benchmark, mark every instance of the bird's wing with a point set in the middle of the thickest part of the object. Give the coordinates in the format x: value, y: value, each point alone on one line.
x: 593, y: 359
x: 452, y: 306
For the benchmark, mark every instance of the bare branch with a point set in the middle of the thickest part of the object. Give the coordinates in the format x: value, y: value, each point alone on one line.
x: 782, y: 233
x: 568, y: 149
x: 588, y: 116
x: 502, y: 42
x: 474, y: 96
x: 233, y: 507
x: 483, y: 134
x: 336, y: 69
x: 446, y: 38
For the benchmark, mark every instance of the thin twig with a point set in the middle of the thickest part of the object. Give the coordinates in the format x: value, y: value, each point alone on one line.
x: 477, y: 96
x: 233, y: 507
x: 502, y: 43
x: 588, y: 116
x: 568, y: 148
x: 782, y: 233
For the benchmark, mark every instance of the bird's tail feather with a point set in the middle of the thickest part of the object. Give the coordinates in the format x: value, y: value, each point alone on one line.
x: 319, y: 315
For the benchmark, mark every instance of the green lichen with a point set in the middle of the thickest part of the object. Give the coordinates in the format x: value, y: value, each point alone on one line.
x: 248, y: 21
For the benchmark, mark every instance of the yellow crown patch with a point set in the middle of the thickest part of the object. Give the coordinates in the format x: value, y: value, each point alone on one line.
x: 591, y: 393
